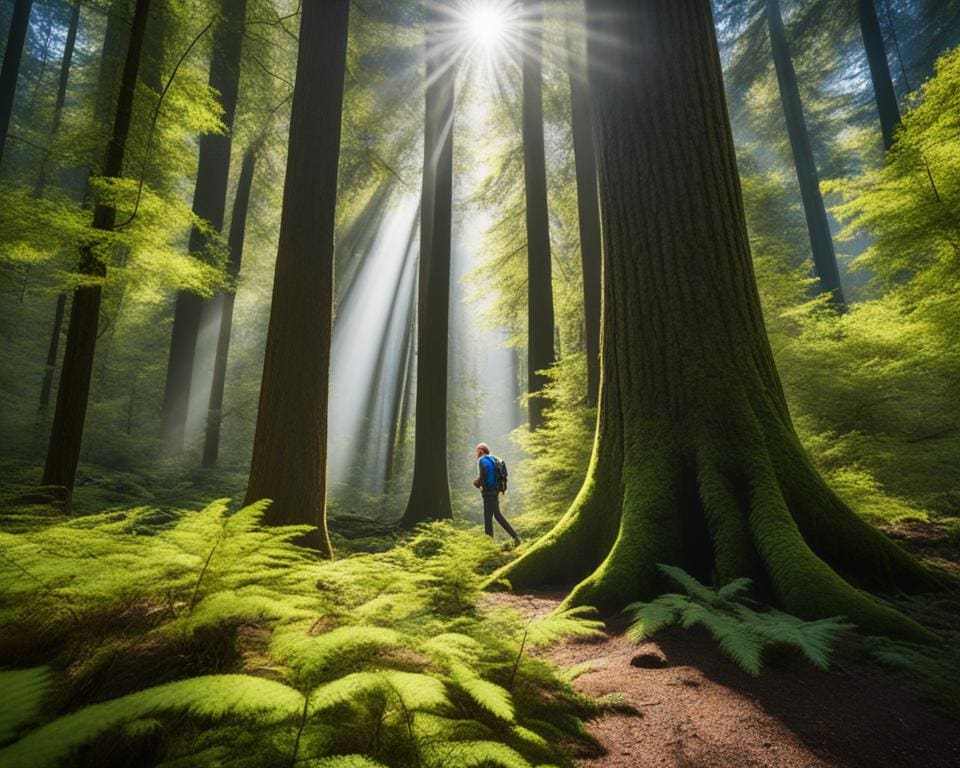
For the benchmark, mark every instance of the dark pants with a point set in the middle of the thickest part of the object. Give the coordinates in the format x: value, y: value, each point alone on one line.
x: 491, y: 511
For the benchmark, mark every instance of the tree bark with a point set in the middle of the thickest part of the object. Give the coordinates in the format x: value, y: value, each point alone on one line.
x: 430, y: 493
x: 588, y: 210
x: 539, y: 266
x: 38, y: 189
x: 19, y: 23
x: 883, y: 90
x: 209, y: 203
x: 225, y: 303
x: 696, y: 462
x: 290, y: 443
x: 821, y: 241
x: 73, y: 391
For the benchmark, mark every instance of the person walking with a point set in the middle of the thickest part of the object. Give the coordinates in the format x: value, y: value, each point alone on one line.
x: 488, y: 481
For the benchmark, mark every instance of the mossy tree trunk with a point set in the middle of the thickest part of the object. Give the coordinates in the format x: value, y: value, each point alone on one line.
x: 540, y: 353
x: 289, y: 463
x: 430, y: 493
x: 818, y: 227
x: 209, y: 203
x: 63, y: 453
x: 883, y: 91
x: 696, y: 462
x: 10, y: 70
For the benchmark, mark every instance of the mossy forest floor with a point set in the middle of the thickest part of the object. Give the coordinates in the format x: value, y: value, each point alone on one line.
x: 696, y: 709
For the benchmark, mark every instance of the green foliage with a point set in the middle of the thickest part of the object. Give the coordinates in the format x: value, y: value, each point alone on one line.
x: 353, y: 662
x: 742, y: 633
x: 937, y: 669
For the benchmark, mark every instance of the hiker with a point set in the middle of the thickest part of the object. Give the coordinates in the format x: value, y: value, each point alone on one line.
x: 492, y: 481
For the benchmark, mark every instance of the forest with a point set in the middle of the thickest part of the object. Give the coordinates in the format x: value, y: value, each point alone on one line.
x: 674, y: 283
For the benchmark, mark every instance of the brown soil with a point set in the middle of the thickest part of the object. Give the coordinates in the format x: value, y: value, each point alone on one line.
x: 696, y: 709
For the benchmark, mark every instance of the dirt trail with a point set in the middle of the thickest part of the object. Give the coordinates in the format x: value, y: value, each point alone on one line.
x: 698, y: 710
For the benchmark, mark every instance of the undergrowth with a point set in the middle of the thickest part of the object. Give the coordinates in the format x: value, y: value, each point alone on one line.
x: 203, y: 638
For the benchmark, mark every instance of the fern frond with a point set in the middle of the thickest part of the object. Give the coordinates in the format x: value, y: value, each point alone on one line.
x: 473, y: 754
x: 24, y: 691
x: 577, y: 622
x: 490, y: 696
x: 212, y: 697
x: 315, y: 657
x: 413, y: 690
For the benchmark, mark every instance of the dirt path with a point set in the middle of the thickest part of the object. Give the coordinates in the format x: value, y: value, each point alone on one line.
x: 698, y: 710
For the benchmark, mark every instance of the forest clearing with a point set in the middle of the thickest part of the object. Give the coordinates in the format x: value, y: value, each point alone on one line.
x: 480, y: 383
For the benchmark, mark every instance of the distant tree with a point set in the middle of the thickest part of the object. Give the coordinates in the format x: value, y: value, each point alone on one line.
x: 63, y: 453
x: 430, y: 493
x: 821, y: 241
x: 19, y: 23
x: 588, y: 210
x: 209, y: 203
x: 696, y: 462
x: 879, y: 70
x: 224, y: 302
x: 540, y: 325
x: 290, y: 443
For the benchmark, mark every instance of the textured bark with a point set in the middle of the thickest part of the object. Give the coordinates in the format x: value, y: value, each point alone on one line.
x: 540, y: 353
x: 401, y: 400
x: 19, y: 23
x: 73, y: 391
x: 224, y: 304
x: 883, y: 90
x: 588, y: 210
x: 209, y: 203
x: 695, y: 462
x: 821, y: 241
x: 39, y: 186
x: 290, y: 444
x: 430, y: 493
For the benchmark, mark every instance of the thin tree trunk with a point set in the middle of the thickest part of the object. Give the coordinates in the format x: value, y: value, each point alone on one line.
x: 19, y: 23
x: 879, y: 71
x: 290, y: 444
x: 821, y: 241
x: 209, y: 203
x: 73, y: 391
x: 588, y: 210
x: 400, y: 407
x: 695, y: 461
x: 430, y: 493
x: 539, y: 266
x: 38, y: 189
x: 226, y: 300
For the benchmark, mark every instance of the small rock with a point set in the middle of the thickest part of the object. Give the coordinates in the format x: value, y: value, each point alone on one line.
x: 649, y: 661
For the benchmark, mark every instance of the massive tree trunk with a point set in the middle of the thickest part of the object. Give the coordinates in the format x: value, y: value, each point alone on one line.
x: 430, y: 494
x: 73, y: 390
x: 209, y: 203
x: 223, y: 306
x: 696, y: 462
x: 879, y: 71
x: 19, y: 23
x: 41, y: 182
x: 588, y: 209
x: 539, y: 266
x: 821, y: 241
x: 289, y: 462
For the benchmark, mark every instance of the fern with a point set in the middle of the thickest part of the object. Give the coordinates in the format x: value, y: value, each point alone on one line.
x: 212, y: 698
x: 742, y: 634
x: 344, y: 761
x: 489, y: 696
x: 474, y: 754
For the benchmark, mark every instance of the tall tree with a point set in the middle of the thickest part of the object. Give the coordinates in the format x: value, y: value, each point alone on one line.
x: 540, y: 352
x: 696, y: 462
x: 290, y: 443
x: 430, y: 493
x: 588, y: 210
x: 821, y: 241
x: 224, y: 302
x: 209, y: 203
x: 879, y: 71
x: 63, y: 453
x: 39, y: 186
x: 19, y: 23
